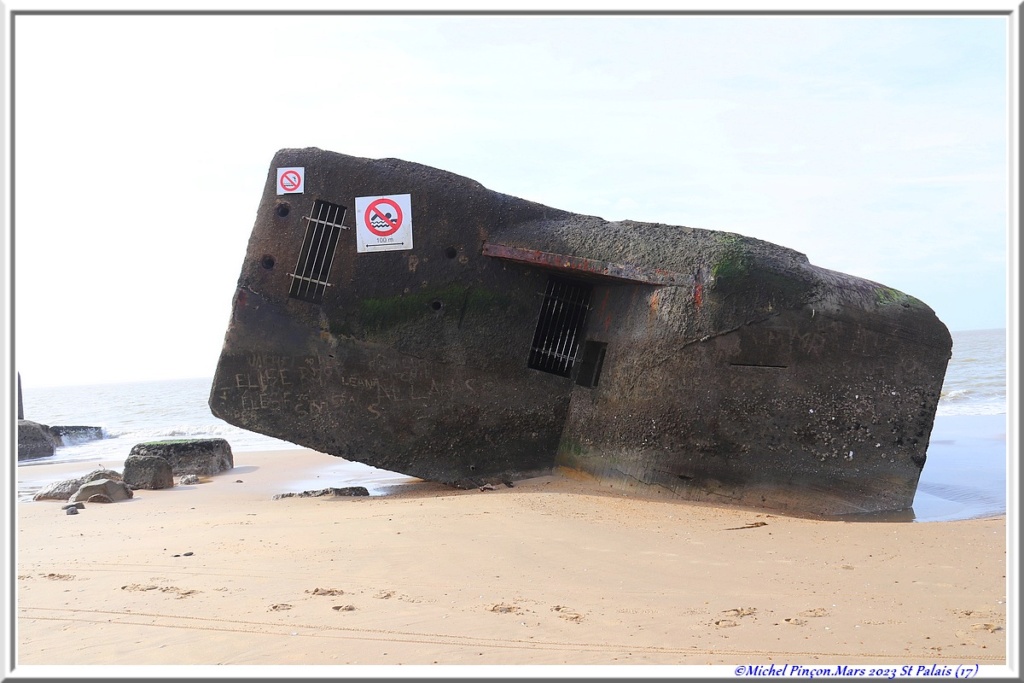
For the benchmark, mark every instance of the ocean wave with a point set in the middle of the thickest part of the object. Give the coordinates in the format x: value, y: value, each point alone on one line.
x: 81, y: 436
x: 971, y: 409
x: 955, y: 395
x: 174, y: 431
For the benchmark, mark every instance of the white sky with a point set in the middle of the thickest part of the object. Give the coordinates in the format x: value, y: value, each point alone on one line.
x: 877, y: 145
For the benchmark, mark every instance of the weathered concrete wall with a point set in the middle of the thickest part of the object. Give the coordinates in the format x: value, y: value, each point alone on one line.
x: 782, y: 414
x: 762, y: 380
x: 415, y: 360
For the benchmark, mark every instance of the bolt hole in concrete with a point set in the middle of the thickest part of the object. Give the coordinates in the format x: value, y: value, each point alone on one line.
x: 267, y: 262
x: 436, y: 304
x: 451, y: 252
x: 282, y: 210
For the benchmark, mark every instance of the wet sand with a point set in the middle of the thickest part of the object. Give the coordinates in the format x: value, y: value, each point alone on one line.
x: 553, y: 571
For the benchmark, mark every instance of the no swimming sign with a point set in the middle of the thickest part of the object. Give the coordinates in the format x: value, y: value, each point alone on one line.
x: 384, y: 223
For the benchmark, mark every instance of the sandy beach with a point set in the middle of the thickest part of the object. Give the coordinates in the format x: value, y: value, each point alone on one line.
x: 553, y: 571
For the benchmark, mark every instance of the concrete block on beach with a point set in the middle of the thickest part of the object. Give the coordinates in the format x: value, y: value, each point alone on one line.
x: 148, y: 472
x: 34, y: 440
x: 67, y: 435
x: 202, y: 457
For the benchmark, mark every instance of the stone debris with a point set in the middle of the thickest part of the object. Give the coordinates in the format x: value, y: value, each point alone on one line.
x: 190, y: 456
x: 319, y: 493
x: 64, y: 489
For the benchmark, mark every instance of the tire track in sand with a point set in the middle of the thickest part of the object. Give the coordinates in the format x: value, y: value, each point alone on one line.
x: 196, y: 623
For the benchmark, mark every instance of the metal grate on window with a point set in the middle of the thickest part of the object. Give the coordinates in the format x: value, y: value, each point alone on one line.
x: 562, y: 315
x: 323, y: 226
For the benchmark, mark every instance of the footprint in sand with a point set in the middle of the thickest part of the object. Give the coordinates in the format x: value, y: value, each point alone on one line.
x: 139, y: 587
x: 740, y: 611
x: 726, y: 623
x: 991, y: 628
x: 505, y: 608
x: 816, y: 612
x: 384, y: 595
x: 567, y: 614
x: 974, y: 613
x: 795, y: 621
x: 180, y: 592
x: 279, y: 607
x: 326, y: 591
x: 344, y: 608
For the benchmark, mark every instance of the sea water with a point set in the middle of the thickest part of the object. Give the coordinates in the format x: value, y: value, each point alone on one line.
x: 964, y: 476
x: 975, y: 382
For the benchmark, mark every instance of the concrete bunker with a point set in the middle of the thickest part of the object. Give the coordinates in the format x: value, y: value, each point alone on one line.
x: 498, y: 338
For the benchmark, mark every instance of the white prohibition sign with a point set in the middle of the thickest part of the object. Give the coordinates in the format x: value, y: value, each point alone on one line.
x: 291, y: 180
x: 384, y: 223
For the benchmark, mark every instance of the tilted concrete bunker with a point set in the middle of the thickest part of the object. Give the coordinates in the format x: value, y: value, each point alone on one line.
x: 409, y: 318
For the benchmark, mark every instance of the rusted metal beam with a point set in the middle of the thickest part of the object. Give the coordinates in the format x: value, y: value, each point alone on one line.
x: 617, y: 271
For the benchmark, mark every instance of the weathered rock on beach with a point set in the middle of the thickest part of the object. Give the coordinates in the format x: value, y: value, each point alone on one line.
x: 34, y: 440
x: 102, y: 491
x: 64, y: 489
x: 147, y: 472
x: 320, y: 493
x: 150, y: 466
x: 203, y: 457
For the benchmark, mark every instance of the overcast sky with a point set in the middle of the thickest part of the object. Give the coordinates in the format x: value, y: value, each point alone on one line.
x: 876, y: 145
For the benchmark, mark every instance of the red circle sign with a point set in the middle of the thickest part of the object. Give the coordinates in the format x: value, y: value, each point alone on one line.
x: 380, y: 221
x: 290, y: 181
